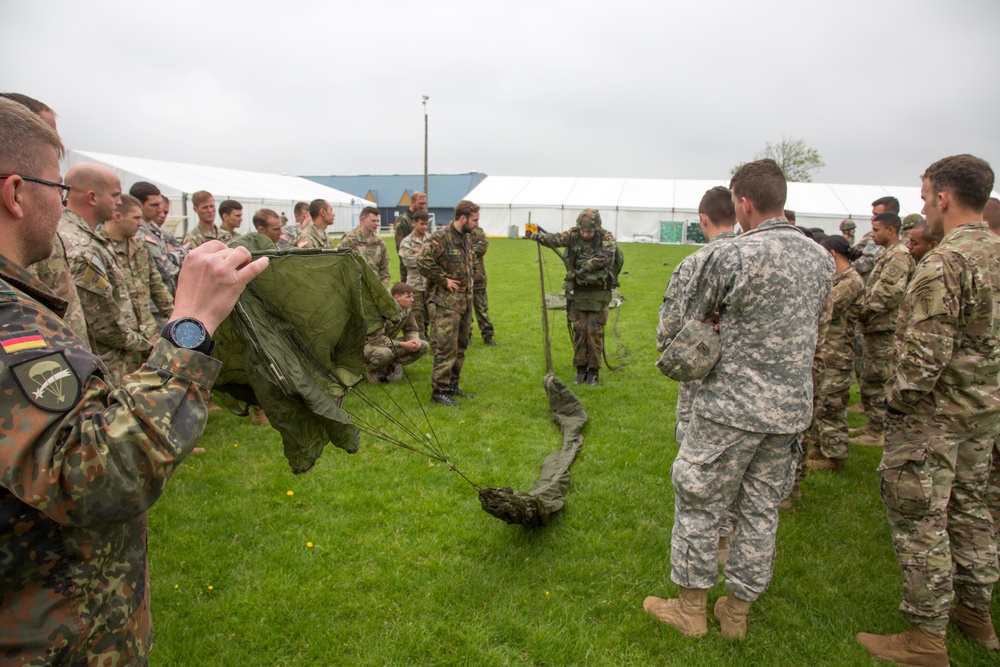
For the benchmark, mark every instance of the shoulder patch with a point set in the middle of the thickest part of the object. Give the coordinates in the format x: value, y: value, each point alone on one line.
x: 48, y: 382
x: 302, y: 244
x: 22, y: 340
x: 94, y: 280
x: 151, y: 239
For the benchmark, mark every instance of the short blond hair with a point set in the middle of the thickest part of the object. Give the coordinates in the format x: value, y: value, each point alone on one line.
x: 22, y: 133
x: 201, y: 197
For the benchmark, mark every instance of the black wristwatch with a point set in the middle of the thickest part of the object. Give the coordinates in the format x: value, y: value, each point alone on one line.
x: 189, y: 334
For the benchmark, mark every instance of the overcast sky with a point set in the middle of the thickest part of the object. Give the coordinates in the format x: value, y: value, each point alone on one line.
x: 533, y: 88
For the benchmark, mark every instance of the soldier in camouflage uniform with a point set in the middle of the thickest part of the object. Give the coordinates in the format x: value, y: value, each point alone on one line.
x: 385, y: 356
x: 409, y: 251
x: 943, y: 415
x: 590, y: 277
x: 446, y: 261
x: 847, y: 228
x: 826, y: 439
x: 365, y: 241
x: 480, y: 245
x: 742, y: 444
x: 884, y: 291
x: 991, y: 214
x: 82, y: 461
x: 404, y: 227
x: 921, y: 240
x: 165, y: 250
x: 206, y: 229
x: 314, y: 236
x: 114, y: 331
x: 54, y: 273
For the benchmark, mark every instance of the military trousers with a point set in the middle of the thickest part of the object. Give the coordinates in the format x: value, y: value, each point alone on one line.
x: 482, y: 305
x: 934, y: 484
x: 419, y: 310
x: 588, y: 335
x: 450, y: 334
x: 993, y: 492
x: 379, y: 357
x: 828, y: 430
x: 879, y: 367
x: 719, y: 467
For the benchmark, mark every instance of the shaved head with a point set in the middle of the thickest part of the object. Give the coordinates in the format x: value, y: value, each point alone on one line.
x: 96, y: 192
x: 89, y: 176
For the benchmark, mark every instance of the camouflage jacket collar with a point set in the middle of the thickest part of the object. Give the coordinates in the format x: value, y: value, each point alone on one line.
x: 722, y: 236
x: 20, y: 279
x: 780, y: 222
x: 76, y: 220
x: 965, y: 228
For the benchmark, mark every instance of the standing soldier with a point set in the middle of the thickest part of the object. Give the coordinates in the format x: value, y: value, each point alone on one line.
x: 314, y: 236
x: 163, y: 247
x: 231, y: 213
x: 847, y: 228
x: 409, y: 251
x: 943, y: 412
x: 480, y: 244
x: 205, y: 230
x: 404, y: 227
x: 590, y: 277
x: 884, y: 291
x: 365, y: 241
x: 446, y: 261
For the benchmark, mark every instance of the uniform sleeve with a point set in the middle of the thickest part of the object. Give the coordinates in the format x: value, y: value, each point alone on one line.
x: 720, y: 282
x: 383, y: 268
x: 97, y: 299
x: 927, y: 344
x: 554, y: 240
x: 480, y: 244
x: 890, y: 285
x: 674, y: 304
x: 157, y: 289
x: 407, y: 255
x: 428, y: 262
x: 106, y: 459
x: 604, y: 257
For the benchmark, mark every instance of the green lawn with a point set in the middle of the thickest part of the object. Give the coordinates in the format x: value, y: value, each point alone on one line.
x: 385, y: 558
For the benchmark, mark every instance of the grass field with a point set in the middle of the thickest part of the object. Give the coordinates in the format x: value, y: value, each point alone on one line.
x: 381, y: 558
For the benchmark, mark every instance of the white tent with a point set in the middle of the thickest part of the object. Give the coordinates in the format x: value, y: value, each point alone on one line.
x: 639, y: 209
x: 254, y: 190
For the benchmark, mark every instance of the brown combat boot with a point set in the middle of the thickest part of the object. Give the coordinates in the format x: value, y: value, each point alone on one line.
x: 913, y: 648
x: 833, y: 465
x: 869, y: 438
x: 725, y: 546
x: 976, y: 625
x: 687, y: 613
x: 732, y: 615
x: 856, y: 409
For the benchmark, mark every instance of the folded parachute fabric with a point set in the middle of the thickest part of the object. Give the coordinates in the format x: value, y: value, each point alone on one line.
x: 294, y: 343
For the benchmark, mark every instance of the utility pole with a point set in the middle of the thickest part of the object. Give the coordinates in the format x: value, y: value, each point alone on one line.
x: 425, y: 143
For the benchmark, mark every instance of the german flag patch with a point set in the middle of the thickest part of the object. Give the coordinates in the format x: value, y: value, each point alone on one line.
x: 21, y: 341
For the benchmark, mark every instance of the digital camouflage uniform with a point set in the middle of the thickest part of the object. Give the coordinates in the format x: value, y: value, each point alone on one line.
x: 54, y: 272
x: 409, y: 250
x: 372, y: 250
x: 480, y: 244
x: 80, y: 464
x: 167, y: 255
x: 883, y: 293
x: 114, y: 331
x: 447, y: 253
x: 769, y: 286
x: 384, y: 354
x: 200, y: 235
x: 589, y: 281
x: 937, y: 454
x: 145, y: 286
x: 402, y: 228
x: 312, y: 237
x: 832, y: 365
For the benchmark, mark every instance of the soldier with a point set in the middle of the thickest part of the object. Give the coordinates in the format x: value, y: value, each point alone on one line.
x: 907, y: 224
x: 480, y: 244
x: 409, y: 250
x: 365, y: 241
x: 869, y: 249
x: 991, y: 214
x: 87, y: 459
x: 590, y: 277
x: 922, y: 240
x: 446, y: 262
x: 404, y: 226
x: 315, y: 236
x: 268, y: 223
x: 204, y: 207
x: 847, y: 228
x: 165, y: 250
x: 302, y: 220
x: 114, y: 331
x: 883, y: 294
x: 384, y: 355
x: 231, y: 212
x: 144, y: 283
x: 742, y: 444
x: 826, y: 438
x: 943, y: 408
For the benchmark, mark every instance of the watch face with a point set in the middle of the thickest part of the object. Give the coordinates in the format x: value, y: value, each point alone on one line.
x: 188, y: 335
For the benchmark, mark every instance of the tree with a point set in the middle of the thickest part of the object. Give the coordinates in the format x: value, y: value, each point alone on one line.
x: 797, y: 160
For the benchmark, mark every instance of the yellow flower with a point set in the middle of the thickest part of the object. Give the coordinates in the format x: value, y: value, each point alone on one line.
x: 176, y: 586
x: 289, y: 493
x: 546, y: 593
x: 211, y: 588
x: 430, y: 465
x: 309, y: 545
x: 236, y: 444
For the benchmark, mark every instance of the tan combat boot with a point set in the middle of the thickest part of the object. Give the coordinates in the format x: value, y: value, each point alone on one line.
x: 870, y: 438
x: 725, y: 546
x: 856, y: 409
x: 976, y: 625
x: 732, y: 614
x: 913, y: 648
x: 833, y: 465
x: 687, y: 613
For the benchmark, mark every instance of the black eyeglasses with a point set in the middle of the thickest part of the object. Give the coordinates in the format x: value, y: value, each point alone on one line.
x: 65, y: 188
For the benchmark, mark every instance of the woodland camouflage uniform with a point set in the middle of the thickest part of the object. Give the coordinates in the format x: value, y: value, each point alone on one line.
x: 114, y: 331
x: 402, y: 228
x: 54, y: 272
x: 383, y: 351
x: 409, y: 250
x: 81, y: 463
x: 942, y: 428
x: 480, y: 245
x: 371, y: 249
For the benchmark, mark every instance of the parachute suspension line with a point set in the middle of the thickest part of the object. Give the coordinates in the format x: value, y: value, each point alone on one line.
x: 545, y: 313
x: 621, y: 350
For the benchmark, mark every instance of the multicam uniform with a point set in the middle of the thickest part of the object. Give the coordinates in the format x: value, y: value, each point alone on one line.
x: 168, y: 256
x: 883, y: 293
x: 769, y: 286
x: 200, y: 235
x: 937, y: 454
x: 312, y: 237
x: 383, y: 352
x: 481, y: 244
x: 409, y: 250
x: 54, y: 272
x: 402, y: 228
x: 447, y: 253
x: 371, y: 249
x: 81, y: 462
x: 145, y: 286
x: 104, y: 294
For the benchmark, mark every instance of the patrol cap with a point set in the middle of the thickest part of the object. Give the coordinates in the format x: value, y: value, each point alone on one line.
x: 911, y: 220
x: 589, y: 220
x: 847, y: 225
x: 692, y: 354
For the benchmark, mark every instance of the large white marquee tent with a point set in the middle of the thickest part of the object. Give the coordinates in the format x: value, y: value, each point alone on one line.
x: 639, y: 209
x: 254, y: 190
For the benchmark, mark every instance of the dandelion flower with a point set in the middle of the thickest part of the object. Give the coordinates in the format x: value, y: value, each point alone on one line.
x: 211, y: 588
x: 430, y: 465
x: 176, y: 586
x: 289, y: 493
x: 236, y: 444
x: 546, y: 593
x: 309, y: 545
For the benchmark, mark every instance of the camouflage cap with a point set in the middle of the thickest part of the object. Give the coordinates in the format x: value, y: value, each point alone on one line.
x: 846, y: 225
x: 692, y: 354
x: 589, y: 220
x: 911, y: 220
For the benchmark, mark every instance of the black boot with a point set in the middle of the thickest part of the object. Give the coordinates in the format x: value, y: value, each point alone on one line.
x: 455, y: 391
x: 581, y: 375
x: 488, y: 340
x: 592, y: 377
x: 443, y: 399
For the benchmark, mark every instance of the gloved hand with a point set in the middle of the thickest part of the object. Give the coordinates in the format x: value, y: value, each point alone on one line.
x: 532, y: 236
